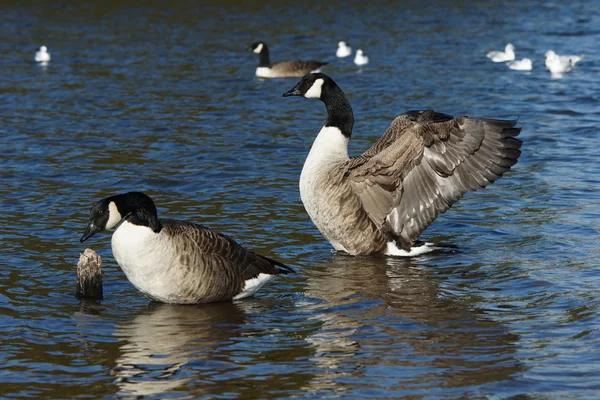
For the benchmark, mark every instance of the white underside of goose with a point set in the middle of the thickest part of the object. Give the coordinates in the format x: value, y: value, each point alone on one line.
x: 146, y: 260
x: 393, y: 250
x: 265, y: 72
x: 251, y: 286
x: 329, y: 149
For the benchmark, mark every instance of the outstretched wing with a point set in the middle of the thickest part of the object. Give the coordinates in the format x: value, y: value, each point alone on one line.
x: 424, y: 163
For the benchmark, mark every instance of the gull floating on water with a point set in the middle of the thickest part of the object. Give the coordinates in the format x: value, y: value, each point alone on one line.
x: 560, y: 64
x: 42, y: 55
x: 360, y: 58
x: 343, y: 50
x: 521, y: 65
x: 502, y: 56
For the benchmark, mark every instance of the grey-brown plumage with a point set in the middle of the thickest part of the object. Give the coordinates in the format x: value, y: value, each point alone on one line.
x: 295, y: 68
x: 176, y: 261
x: 423, y: 164
x: 282, y: 69
x: 217, y: 264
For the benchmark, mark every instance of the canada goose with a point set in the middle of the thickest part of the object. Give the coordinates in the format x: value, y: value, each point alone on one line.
x: 382, y: 200
x: 502, y: 56
x: 176, y: 261
x: 360, y: 58
x: 343, y: 50
x: 282, y: 69
x: 42, y: 55
x: 524, y: 64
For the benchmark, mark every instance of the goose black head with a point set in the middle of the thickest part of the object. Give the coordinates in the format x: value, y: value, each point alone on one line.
x: 103, y: 215
x: 136, y: 207
x: 311, y: 86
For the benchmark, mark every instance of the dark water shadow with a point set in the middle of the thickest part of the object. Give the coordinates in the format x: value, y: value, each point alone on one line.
x: 390, y: 317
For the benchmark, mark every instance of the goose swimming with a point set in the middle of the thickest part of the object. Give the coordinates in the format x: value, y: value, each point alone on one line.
x: 282, y: 69
x: 175, y: 261
x: 502, y: 56
x: 382, y: 200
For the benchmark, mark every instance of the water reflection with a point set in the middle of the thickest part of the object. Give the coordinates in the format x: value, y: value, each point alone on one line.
x: 162, y: 339
x: 389, y: 318
x: 142, y: 104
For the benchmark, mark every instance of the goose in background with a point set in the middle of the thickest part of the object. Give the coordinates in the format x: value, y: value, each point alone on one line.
x: 360, y: 58
x: 175, y: 261
x: 521, y: 65
x: 42, y: 55
x: 282, y: 69
x: 382, y: 200
x: 502, y: 56
x: 343, y: 50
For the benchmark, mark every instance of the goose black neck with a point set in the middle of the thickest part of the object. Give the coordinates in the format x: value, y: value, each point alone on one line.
x: 264, y: 57
x: 138, y: 209
x: 339, y: 111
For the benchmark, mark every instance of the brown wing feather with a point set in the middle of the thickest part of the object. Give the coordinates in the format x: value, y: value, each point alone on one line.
x: 223, y: 255
x: 376, y: 175
x: 427, y: 161
x: 297, y: 67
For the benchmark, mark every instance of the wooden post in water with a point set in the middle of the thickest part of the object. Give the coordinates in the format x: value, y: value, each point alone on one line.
x: 89, y: 275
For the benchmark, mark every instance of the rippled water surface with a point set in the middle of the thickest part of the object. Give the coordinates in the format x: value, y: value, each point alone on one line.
x: 164, y: 99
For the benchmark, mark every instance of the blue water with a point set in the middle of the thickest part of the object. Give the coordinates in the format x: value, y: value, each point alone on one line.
x: 164, y: 99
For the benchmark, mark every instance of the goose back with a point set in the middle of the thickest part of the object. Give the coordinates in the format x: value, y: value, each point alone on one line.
x: 187, y: 263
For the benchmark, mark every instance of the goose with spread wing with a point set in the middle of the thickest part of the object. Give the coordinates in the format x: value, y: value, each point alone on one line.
x: 382, y: 200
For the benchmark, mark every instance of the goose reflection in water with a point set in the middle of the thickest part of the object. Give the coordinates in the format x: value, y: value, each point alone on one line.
x: 388, y: 319
x: 163, y: 338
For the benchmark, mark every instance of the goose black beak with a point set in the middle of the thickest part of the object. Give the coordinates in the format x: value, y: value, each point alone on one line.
x: 292, y: 92
x: 90, y: 231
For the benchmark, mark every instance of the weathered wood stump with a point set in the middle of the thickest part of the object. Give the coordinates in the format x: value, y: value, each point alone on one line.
x: 89, y: 275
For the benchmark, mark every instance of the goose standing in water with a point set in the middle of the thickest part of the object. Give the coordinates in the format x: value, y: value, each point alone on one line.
x: 282, y: 69
x: 382, y: 200
x: 176, y: 261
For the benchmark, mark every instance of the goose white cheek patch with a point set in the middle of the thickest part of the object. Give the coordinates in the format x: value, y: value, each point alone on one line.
x: 315, y: 90
x: 114, y: 216
x: 258, y: 48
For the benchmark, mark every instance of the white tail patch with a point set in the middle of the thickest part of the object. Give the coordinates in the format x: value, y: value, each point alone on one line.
x: 393, y: 250
x: 251, y: 286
